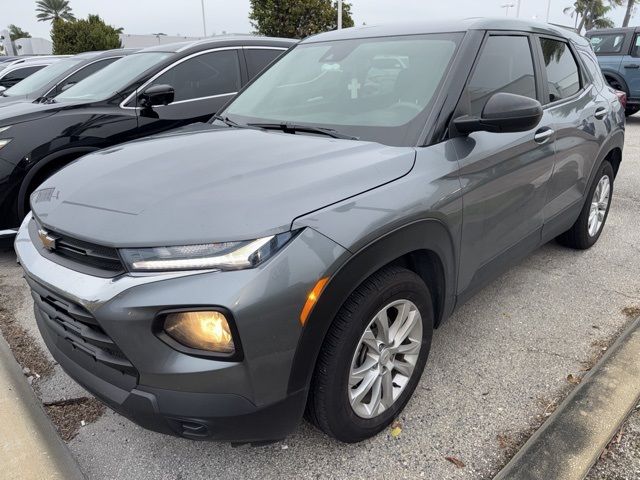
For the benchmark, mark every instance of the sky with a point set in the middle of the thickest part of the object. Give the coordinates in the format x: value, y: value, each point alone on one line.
x: 184, y: 17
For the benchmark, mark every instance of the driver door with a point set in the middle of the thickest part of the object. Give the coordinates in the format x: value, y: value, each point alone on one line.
x: 504, y: 176
x: 203, y: 83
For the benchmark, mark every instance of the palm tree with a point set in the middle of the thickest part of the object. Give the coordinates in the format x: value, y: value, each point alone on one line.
x: 16, y: 33
x: 592, y: 13
x: 629, y: 12
x: 51, y: 10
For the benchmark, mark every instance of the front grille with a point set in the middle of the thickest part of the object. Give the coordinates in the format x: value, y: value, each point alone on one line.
x: 77, y: 326
x: 79, y: 255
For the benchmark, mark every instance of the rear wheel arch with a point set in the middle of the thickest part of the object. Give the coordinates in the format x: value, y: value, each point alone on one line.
x: 616, y: 77
x: 42, y: 170
x: 424, y: 246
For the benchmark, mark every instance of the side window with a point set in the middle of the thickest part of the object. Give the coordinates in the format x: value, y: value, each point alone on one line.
x: 591, y: 63
x: 214, y: 73
x: 607, y: 43
x: 259, y: 58
x: 84, y: 73
x: 17, y: 75
x: 563, y: 77
x: 635, y: 47
x: 505, y: 65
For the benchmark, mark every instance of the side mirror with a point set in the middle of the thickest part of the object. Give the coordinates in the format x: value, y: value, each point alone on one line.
x: 2, y: 89
x: 503, y: 113
x: 157, y: 95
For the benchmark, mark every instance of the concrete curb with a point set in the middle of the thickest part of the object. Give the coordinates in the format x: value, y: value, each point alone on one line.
x: 571, y: 440
x: 29, y: 444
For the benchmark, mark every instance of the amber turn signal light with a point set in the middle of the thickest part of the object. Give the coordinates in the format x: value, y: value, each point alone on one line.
x: 312, y: 299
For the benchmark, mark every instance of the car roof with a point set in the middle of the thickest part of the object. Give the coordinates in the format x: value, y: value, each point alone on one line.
x: 447, y: 26
x: 612, y: 30
x: 222, y: 41
x: 106, y: 53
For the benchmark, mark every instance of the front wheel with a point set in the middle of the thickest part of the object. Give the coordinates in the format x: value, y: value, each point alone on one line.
x: 587, y: 229
x: 373, y: 356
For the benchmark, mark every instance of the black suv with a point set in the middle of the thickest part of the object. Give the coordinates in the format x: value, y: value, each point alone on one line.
x: 153, y: 90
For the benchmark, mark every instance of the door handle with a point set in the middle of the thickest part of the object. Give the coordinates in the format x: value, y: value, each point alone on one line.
x: 601, y: 112
x: 543, y: 135
x: 631, y: 65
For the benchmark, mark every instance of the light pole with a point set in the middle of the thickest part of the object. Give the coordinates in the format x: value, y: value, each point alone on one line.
x: 518, y: 9
x: 204, y: 21
x: 339, y: 14
x: 507, y: 6
x: 548, y: 10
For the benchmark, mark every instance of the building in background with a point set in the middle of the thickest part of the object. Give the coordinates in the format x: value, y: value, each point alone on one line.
x: 33, y: 46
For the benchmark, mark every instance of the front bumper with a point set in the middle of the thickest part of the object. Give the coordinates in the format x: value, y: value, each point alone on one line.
x: 169, y: 391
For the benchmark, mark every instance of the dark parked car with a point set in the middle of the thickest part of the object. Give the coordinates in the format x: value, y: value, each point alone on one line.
x: 14, y: 71
x: 59, y: 76
x: 148, y: 92
x: 618, y: 52
x: 297, y: 253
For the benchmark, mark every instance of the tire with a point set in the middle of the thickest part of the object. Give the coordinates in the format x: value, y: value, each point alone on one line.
x: 330, y: 398
x: 579, y: 235
x: 630, y: 110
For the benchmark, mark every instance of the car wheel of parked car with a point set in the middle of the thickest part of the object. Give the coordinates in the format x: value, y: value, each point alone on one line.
x: 587, y: 229
x: 373, y: 356
x: 632, y: 109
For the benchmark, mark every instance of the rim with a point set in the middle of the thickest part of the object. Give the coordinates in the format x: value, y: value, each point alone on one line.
x: 385, y: 358
x: 599, y: 206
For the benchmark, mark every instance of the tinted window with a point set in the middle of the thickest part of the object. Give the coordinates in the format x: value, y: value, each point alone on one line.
x: 563, y: 79
x: 85, y: 72
x: 505, y: 65
x: 259, y: 58
x: 205, y: 75
x: 607, y: 43
x: 17, y: 75
x: 635, y: 50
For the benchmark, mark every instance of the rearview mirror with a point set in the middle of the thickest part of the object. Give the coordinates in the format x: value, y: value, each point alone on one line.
x: 157, y: 95
x: 67, y: 86
x: 503, y: 113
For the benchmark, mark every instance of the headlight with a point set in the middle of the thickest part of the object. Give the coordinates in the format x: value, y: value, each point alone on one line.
x: 4, y: 141
x: 222, y: 256
x: 203, y: 330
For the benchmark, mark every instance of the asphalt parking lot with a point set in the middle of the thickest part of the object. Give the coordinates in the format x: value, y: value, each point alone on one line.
x: 497, y: 367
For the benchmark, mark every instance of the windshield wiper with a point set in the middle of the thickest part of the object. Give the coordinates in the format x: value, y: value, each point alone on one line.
x: 228, y: 121
x: 293, y: 128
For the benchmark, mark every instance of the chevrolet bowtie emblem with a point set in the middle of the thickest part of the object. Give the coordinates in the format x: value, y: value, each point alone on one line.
x: 48, y: 240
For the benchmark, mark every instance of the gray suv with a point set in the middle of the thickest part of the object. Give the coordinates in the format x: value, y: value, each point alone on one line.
x: 294, y: 254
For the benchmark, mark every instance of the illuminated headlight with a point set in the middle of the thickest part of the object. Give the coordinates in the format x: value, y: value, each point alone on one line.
x: 4, y: 142
x: 203, y: 330
x: 221, y: 256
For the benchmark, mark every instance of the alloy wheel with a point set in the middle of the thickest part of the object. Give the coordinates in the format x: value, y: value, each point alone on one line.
x: 385, y: 358
x: 599, y: 205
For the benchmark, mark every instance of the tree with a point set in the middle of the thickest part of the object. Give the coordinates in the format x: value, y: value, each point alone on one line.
x: 16, y: 32
x: 591, y: 14
x: 297, y: 18
x: 52, y: 10
x: 87, y: 35
x: 629, y: 12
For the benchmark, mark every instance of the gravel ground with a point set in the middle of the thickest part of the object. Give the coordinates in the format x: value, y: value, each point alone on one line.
x: 497, y: 369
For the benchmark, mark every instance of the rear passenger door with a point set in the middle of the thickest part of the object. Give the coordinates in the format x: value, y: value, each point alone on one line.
x: 203, y: 83
x: 504, y: 176
x: 577, y: 114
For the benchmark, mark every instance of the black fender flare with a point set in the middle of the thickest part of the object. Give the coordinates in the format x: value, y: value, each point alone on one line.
x: 618, y: 77
x: 428, y: 234
x: 615, y: 140
x: 74, y: 153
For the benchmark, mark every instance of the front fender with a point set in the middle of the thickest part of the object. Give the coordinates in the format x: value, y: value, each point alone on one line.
x: 428, y: 234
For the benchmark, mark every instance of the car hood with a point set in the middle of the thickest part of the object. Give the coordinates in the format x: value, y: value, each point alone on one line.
x: 14, y: 112
x: 211, y: 185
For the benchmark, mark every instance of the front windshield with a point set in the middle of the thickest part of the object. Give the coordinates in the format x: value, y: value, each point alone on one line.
x: 42, y: 77
x: 374, y: 89
x: 112, y: 79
